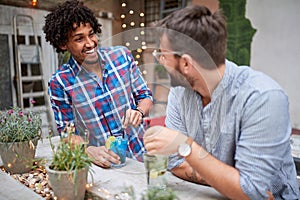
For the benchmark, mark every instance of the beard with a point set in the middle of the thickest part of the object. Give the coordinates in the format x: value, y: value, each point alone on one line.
x: 177, y: 79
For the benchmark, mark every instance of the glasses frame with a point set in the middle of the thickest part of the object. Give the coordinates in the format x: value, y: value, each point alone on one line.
x: 157, y: 54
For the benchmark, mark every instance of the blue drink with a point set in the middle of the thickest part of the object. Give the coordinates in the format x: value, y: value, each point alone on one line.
x: 119, y: 147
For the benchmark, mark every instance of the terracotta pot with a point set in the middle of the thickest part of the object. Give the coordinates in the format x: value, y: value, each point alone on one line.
x: 18, y: 157
x: 65, y: 186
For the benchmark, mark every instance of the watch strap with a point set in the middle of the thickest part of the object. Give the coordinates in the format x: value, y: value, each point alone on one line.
x: 189, y: 141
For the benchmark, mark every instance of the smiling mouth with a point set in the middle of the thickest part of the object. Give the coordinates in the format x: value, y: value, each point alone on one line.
x: 90, y: 51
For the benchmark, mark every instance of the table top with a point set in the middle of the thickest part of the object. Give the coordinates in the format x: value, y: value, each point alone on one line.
x: 106, y: 183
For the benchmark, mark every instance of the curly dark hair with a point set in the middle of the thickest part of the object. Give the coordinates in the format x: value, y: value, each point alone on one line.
x: 61, y: 20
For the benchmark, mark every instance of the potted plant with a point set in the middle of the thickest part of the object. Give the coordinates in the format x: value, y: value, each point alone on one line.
x: 69, y: 167
x: 19, y: 133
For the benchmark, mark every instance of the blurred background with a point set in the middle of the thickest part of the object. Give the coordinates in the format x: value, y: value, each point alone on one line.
x: 262, y: 34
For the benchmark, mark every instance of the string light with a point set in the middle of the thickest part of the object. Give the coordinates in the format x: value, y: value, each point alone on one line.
x: 142, y: 24
x: 123, y: 4
x: 122, y: 16
x: 34, y: 2
x: 136, y: 38
x: 127, y: 44
x: 123, y: 25
x: 132, y: 23
x: 139, y: 50
x: 142, y: 32
x: 137, y: 56
x: 131, y: 12
x: 143, y: 43
x: 142, y: 14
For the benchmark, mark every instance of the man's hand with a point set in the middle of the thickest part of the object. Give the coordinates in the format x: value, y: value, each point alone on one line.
x: 102, y: 156
x: 162, y: 140
x: 132, y: 118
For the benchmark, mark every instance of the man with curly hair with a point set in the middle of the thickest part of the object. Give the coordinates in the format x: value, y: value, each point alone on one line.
x: 97, y: 86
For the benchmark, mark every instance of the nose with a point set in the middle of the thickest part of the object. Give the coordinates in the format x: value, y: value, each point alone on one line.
x: 89, y: 42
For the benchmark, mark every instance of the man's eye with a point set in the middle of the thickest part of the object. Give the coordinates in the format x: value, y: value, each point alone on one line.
x: 78, y: 39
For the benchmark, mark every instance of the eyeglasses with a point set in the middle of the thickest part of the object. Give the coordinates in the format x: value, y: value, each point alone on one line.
x: 158, y: 55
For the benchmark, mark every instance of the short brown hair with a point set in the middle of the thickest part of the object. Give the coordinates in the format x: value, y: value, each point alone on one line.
x: 200, y: 26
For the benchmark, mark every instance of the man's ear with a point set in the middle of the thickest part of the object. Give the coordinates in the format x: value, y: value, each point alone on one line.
x: 186, y: 63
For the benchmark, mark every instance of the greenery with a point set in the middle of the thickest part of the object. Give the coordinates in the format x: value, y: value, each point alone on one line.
x: 158, y: 194
x: 17, y: 125
x: 69, y: 156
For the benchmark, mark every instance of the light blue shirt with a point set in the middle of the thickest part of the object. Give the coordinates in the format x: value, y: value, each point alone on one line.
x: 246, y: 125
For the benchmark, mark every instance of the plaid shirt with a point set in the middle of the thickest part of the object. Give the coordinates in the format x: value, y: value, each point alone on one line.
x: 81, y: 97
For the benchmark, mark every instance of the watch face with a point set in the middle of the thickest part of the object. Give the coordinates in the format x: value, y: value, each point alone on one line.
x: 184, y: 149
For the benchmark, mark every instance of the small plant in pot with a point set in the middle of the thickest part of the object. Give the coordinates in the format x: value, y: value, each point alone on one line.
x: 20, y: 131
x: 69, y: 167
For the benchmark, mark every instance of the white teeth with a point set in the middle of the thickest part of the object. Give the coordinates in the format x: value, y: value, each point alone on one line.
x: 90, y: 51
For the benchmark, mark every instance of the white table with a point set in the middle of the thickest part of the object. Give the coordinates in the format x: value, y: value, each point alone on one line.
x: 108, y: 182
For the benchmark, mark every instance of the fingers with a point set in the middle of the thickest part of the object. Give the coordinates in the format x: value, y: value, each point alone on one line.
x: 133, y: 117
x: 162, y: 140
x: 102, y: 156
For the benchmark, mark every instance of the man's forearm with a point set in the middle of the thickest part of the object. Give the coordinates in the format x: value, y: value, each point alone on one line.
x: 186, y: 172
x: 145, y: 105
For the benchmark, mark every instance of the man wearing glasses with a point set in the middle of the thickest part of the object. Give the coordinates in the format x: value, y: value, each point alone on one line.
x: 228, y: 126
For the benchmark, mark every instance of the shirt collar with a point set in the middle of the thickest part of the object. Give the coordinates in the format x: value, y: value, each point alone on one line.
x: 226, y: 79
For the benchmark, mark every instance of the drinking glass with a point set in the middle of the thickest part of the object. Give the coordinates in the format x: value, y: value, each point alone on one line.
x: 119, y: 147
x: 156, y: 167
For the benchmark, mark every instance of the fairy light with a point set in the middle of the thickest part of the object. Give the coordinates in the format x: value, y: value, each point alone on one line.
x: 131, y: 12
x: 137, y: 62
x: 132, y: 23
x: 144, y: 72
x: 136, y: 38
x: 142, y: 14
x: 127, y: 44
x: 144, y: 47
x: 142, y: 32
x: 143, y: 43
x: 124, y: 26
x: 137, y: 56
x: 123, y: 16
x: 142, y: 24
x: 123, y: 5
x: 139, y: 50
x: 34, y: 2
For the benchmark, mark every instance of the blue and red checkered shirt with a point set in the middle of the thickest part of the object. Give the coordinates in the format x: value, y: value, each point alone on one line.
x: 81, y: 97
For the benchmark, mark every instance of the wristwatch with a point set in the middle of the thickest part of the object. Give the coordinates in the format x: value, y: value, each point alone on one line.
x: 185, y: 148
x: 140, y: 110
